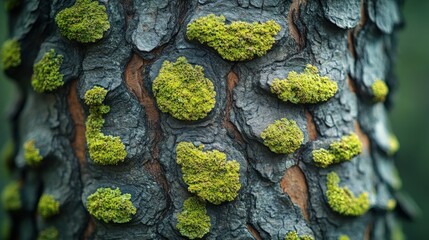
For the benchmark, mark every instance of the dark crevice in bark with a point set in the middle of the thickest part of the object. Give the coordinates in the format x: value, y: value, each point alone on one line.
x: 295, y: 185
x: 135, y: 83
x: 231, y: 81
x: 352, y: 84
x: 89, y: 230
x: 78, y: 117
x: 293, y: 23
x: 363, y: 137
x: 253, y: 231
x: 311, y: 126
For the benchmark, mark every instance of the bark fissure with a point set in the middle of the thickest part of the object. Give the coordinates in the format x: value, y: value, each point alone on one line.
x: 295, y: 185
x: 293, y: 16
x: 78, y: 117
x: 231, y: 81
x: 311, y: 126
x: 254, y: 232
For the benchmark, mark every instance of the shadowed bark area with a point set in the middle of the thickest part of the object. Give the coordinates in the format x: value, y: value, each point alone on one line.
x: 352, y: 42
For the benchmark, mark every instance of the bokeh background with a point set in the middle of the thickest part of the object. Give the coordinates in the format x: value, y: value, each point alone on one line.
x: 409, y: 117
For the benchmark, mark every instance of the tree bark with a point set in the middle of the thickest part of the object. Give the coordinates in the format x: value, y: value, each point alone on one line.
x: 352, y: 42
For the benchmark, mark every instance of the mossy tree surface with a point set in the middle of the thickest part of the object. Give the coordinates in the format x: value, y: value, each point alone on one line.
x: 164, y: 119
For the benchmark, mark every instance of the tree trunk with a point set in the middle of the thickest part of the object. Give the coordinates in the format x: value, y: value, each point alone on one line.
x: 352, y: 42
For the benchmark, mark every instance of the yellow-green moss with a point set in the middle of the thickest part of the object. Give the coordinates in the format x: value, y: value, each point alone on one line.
x: 182, y: 90
x: 48, y: 206
x: 343, y: 150
x: 283, y: 136
x: 10, y: 54
x: 391, y: 204
x: 379, y: 90
x: 50, y: 233
x: 12, y: 4
x: 307, y: 87
x: 85, y: 21
x: 110, y: 205
x: 46, y: 73
x: 208, y: 173
x: 31, y: 153
x: 11, y: 197
x: 193, y: 222
x: 343, y: 237
x: 292, y: 235
x: 237, y: 41
x: 103, y: 150
x: 342, y: 200
x: 393, y: 145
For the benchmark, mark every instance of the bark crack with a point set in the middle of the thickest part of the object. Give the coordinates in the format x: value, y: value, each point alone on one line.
x: 231, y: 81
x: 294, y: 184
x: 78, y: 117
x: 292, y: 18
x: 363, y: 137
x: 254, y: 232
x: 311, y: 127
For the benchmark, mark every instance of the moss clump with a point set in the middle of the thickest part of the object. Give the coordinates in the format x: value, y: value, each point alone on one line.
x: 10, y: 54
x: 46, y: 73
x: 208, y: 174
x: 393, y: 145
x: 31, y: 153
x: 50, y: 233
x: 182, y: 90
x: 110, y: 205
x: 342, y: 200
x: 339, y: 151
x: 391, y: 204
x: 11, y: 197
x: 307, y: 87
x: 343, y: 237
x: 283, y: 136
x: 193, y: 222
x: 103, y: 150
x: 238, y: 41
x: 379, y: 90
x: 48, y: 206
x: 12, y: 4
x: 85, y: 21
x: 292, y: 235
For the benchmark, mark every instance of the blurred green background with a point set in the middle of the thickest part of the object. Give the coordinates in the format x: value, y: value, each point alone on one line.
x: 409, y: 115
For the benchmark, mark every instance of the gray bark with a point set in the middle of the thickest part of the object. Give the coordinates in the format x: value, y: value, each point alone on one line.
x: 350, y: 41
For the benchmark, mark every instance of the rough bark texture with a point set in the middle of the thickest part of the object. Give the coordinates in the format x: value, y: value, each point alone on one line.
x: 350, y: 41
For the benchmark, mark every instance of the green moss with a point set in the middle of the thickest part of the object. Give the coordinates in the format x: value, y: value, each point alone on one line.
x: 10, y: 54
x: 342, y: 200
x: 103, y: 150
x: 31, y: 153
x: 46, y: 73
x: 343, y: 150
x: 48, y: 206
x: 307, y: 87
x: 208, y: 174
x: 292, y: 235
x: 391, y: 204
x: 283, y: 136
x: 343, y: 237
x: 193, y: 222
x: 379, y: 90
x: 50, y: 233
x: 393, y: 145
x: 85, y: 21
x: 182, y: 90
x: 12, y: 4
x: 110, y: 205
x: 11, y: 197
x: 238, y: 41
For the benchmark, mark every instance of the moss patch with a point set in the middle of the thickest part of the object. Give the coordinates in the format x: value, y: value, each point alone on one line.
x: 11, y: 197
x: 46, y: 73
x: 208, y: 174
x: 182, y: 90
x: 103, y: 150
x: 85, y: 21
x: 283, y: 136
x: 393, y: 145
x: 343, y: 237
x: 110, y: 205
x: 50, y: 233
x: 48, y: 206
x: 31, y: 153
x: 379, y: 90
x: 306, y: 87
x: 10, y: 54
x: 342, y: 200
x: 238, y: 41
x: 292, y: 235
x: 193, y: 222
x: 348, y: 147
